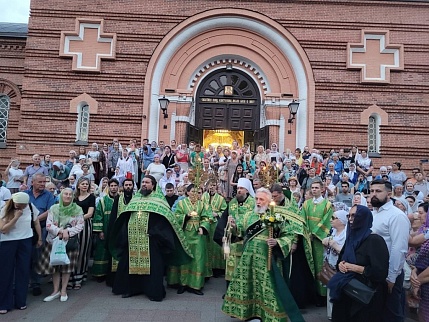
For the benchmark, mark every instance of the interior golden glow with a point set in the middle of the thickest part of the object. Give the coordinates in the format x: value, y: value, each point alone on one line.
x: 223, y: 138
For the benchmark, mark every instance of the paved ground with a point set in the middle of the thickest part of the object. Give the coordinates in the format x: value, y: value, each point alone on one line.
x: 95, y: 302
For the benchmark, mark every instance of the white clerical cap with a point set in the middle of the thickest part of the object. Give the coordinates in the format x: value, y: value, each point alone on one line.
x: 245, y: 183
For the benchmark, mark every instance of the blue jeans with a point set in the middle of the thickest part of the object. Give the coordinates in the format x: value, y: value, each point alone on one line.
x: 394, y: 309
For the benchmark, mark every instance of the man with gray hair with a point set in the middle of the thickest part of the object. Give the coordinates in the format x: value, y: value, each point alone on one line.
x: 268, y: 299
x: 31, y: 170
x: 383, y: 172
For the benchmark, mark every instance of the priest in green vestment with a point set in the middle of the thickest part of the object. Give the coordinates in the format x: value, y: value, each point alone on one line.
x: 216, y: 205
x: 147, y: 239
x: 243, y: 202
x: 102, y: 257
x: 192, y: 215
x: 318, y: 212
x: 255, y: 290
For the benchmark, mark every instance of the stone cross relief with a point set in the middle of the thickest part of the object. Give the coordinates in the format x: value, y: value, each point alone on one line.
x: 375, y: 57
x: 88, y: 45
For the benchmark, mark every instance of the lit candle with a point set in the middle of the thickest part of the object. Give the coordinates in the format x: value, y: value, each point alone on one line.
x: 272, y: 205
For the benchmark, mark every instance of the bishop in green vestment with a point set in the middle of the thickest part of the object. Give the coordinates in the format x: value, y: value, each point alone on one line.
x: 318, y: 212
x: 255, y: 291
x: 216, y: 205
x: 192, y: 215
x: 102, y: 257
x: 243, y: 202
x: 148, y: 239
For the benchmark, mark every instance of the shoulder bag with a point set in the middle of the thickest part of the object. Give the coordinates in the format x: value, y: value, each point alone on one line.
x: 73, y: 242
x: 326, y: 273
x: 35, y: 237
x: 358, y: 291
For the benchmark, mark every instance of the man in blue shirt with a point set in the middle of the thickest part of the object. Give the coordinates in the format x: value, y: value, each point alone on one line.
x: 43, y: 200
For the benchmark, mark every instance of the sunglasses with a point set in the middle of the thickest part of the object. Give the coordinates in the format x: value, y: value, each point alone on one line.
x: 333, y: 217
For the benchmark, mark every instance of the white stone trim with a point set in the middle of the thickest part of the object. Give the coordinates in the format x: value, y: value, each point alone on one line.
x: 80, y: 37
x: 383, y: 50
x: 244, y: 23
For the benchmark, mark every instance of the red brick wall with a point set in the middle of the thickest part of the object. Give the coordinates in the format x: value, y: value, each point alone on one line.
x: 323, y: 28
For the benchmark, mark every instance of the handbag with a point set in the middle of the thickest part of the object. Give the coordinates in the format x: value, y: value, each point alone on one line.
x: 326, y: 274
x: 35, y: 237
x: 358, y: 291
x: 58, y: 253
x: 72, y: 242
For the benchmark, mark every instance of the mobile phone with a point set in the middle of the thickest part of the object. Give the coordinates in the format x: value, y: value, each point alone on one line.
x: 424, y: 161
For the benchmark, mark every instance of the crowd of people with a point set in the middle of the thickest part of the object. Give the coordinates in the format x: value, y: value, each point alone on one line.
x: 177, y: 215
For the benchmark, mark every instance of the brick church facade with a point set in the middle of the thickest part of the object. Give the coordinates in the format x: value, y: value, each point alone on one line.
x: 87, y: 72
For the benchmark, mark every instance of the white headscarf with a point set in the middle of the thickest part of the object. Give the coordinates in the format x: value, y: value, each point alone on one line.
x: 245, y: 183
x: 342, y: 216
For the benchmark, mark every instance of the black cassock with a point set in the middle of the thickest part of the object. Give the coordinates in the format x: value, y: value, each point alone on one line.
x: 161, y: 244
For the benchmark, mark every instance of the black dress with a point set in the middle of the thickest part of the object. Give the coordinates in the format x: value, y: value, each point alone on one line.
x: 374, y: 256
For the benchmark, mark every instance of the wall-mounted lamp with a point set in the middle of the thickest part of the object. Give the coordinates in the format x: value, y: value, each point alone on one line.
x: 163, y: 104
x: 293, y: 109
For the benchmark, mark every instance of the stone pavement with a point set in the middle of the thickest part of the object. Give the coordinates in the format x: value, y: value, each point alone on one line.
x: 95, y: 302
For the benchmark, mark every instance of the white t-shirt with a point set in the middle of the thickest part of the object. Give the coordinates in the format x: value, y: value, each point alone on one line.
x: 22, y: 228
x: 156, y: 170
x: 14, y: 174
x: 5, y: 194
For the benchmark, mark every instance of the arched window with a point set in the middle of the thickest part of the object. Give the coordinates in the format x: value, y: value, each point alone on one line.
x: 374, y: 134
x: 82, y: 126
x: 4, y: 116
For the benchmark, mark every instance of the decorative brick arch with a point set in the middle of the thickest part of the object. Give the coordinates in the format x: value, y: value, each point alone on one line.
x: 374, y: 110
x: 240, y: 35
x: 12, y: 91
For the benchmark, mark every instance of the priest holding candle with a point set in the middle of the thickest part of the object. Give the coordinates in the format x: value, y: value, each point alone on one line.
x: 258, y: 289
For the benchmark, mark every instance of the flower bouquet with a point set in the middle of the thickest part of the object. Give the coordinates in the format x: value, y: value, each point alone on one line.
x: 271, y: 220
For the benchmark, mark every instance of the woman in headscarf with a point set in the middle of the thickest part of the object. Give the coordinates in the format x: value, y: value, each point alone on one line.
x: 364, y: 257
x: 403, y: 204
x: 65, y: 220
x: 334, y: 243
x: 359, y: 199
x: 59, y: 174
x: 15, y: 250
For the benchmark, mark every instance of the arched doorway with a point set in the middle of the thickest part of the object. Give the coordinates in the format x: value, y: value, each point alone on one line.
x: 227, y: 108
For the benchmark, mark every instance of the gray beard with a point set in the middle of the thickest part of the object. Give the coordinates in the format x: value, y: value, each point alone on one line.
x: 260, y: 209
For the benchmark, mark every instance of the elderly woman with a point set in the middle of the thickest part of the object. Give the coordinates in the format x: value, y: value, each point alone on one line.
x: 65, y: 220
x: 333, y: 245
x: 364, y: 257
x: 15, y: 250
x: 359, y: 199
x: 59, y: 174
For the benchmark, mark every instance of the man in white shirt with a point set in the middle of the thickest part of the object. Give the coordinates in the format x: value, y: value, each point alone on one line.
x: 5, y: 194
x: 393, y: 225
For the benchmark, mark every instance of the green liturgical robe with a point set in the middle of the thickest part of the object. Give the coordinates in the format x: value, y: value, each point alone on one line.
x: 254, y: 291
x: 318, y: 217
x: 215, y: 204
x: 100, y: 225
x: 237, y: 212
x: 192, y: 274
